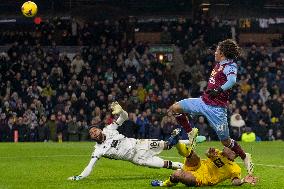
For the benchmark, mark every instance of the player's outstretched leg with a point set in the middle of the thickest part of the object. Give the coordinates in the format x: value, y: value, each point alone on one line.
x: 173, y: 139
x: 180, y: 116
x: 185, y: 150
x: 157, y: 162
x: 246, y: 157
x: 183, y: 120
x: 192, y: 137
x: 249, y: 164
x: 172, y: 165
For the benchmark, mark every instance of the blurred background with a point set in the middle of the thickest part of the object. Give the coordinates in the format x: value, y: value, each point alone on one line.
x: 61, y: 69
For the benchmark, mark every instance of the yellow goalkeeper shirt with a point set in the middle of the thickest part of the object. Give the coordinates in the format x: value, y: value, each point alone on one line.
x: 212, y: 171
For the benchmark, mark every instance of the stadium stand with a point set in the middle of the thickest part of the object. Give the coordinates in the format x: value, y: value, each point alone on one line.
x: 54, y: 93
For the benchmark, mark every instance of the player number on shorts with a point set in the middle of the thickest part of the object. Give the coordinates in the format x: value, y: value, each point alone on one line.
x: 221, y: 127
x: 218, y: 162
x: 154, y: 144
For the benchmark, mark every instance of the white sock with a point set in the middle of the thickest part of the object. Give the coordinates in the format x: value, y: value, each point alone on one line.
x: 155, y: 162
x: 177, y: 165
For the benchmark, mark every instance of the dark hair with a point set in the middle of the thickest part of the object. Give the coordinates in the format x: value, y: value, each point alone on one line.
x: 230, y: 49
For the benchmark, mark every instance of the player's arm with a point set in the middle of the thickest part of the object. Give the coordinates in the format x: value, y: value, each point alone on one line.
x: 231, y: 73
x: 248, y: 179
x: 117, y: 110
x: 231, y: 81
x: 87, y: 171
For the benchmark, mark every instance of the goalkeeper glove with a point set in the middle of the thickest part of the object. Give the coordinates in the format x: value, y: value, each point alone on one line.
x: 116, y: 108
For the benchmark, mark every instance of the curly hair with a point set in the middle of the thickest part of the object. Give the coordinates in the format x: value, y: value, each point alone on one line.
x: 230, y: 49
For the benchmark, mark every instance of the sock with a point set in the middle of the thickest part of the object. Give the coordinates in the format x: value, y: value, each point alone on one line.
x: 183, y: 150
x: 184, y: 122
x: 237, y: 149
x: 155, y: 162
x: 177, y: 165
x: 170, y: 165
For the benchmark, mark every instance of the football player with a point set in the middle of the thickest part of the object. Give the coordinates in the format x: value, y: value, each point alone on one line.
x: 218, y: 167
x: 213, y: 103
x: 112, y: 144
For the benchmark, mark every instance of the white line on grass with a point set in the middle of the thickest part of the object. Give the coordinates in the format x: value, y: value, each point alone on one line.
x: 49, y: 156
x: 67, y: 155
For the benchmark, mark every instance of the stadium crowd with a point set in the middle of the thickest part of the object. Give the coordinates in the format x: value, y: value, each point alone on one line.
x: 46, y: 95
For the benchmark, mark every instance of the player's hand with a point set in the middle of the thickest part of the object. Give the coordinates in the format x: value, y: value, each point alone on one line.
x: 116, y: 108
x: 250, y: 179
x: 75, y: 178
x: 214, y: 92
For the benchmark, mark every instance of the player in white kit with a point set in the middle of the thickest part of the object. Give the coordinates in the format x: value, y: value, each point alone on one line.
x: 111, y: 144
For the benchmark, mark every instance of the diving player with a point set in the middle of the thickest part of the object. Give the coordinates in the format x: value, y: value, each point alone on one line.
x: 111, y: 144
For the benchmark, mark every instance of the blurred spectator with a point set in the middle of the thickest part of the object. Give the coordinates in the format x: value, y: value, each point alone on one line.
x: 73, y: 129
x: 60, y: 126
x: 253, y: 116
x: 3, y: 128
x: 278, y: 135
x: 22, y: 130
x: 52, y: 127
x: 43, y: 134
x: 264, y: 94
x: 129, y: 128
x: 236, y: 122
x: 155, y: 131
x: 83, y: 131
x: 77, y: 64
x: 168, y: 124
x: 143, y: 124
x: 10, y: 129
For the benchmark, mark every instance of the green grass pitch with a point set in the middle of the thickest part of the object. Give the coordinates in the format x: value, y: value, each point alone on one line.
x: 48, y: 165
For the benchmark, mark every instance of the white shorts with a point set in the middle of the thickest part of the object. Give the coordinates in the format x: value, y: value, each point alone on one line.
x: 145, y: 149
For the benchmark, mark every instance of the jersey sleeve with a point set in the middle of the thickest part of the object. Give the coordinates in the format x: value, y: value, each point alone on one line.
x: 119, y: 121
x: 97, y: 153
x: 112, y: 126
x: 230, y: 69
x: 95, y: 157
x: 231, y: 73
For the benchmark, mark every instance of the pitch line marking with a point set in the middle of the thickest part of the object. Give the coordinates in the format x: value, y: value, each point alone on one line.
x: 47, y: 156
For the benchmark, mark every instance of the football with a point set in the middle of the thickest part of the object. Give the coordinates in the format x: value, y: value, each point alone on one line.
x: 29, y: 9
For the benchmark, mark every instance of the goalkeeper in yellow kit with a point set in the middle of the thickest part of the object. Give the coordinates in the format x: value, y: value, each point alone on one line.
x: 218, y: 167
